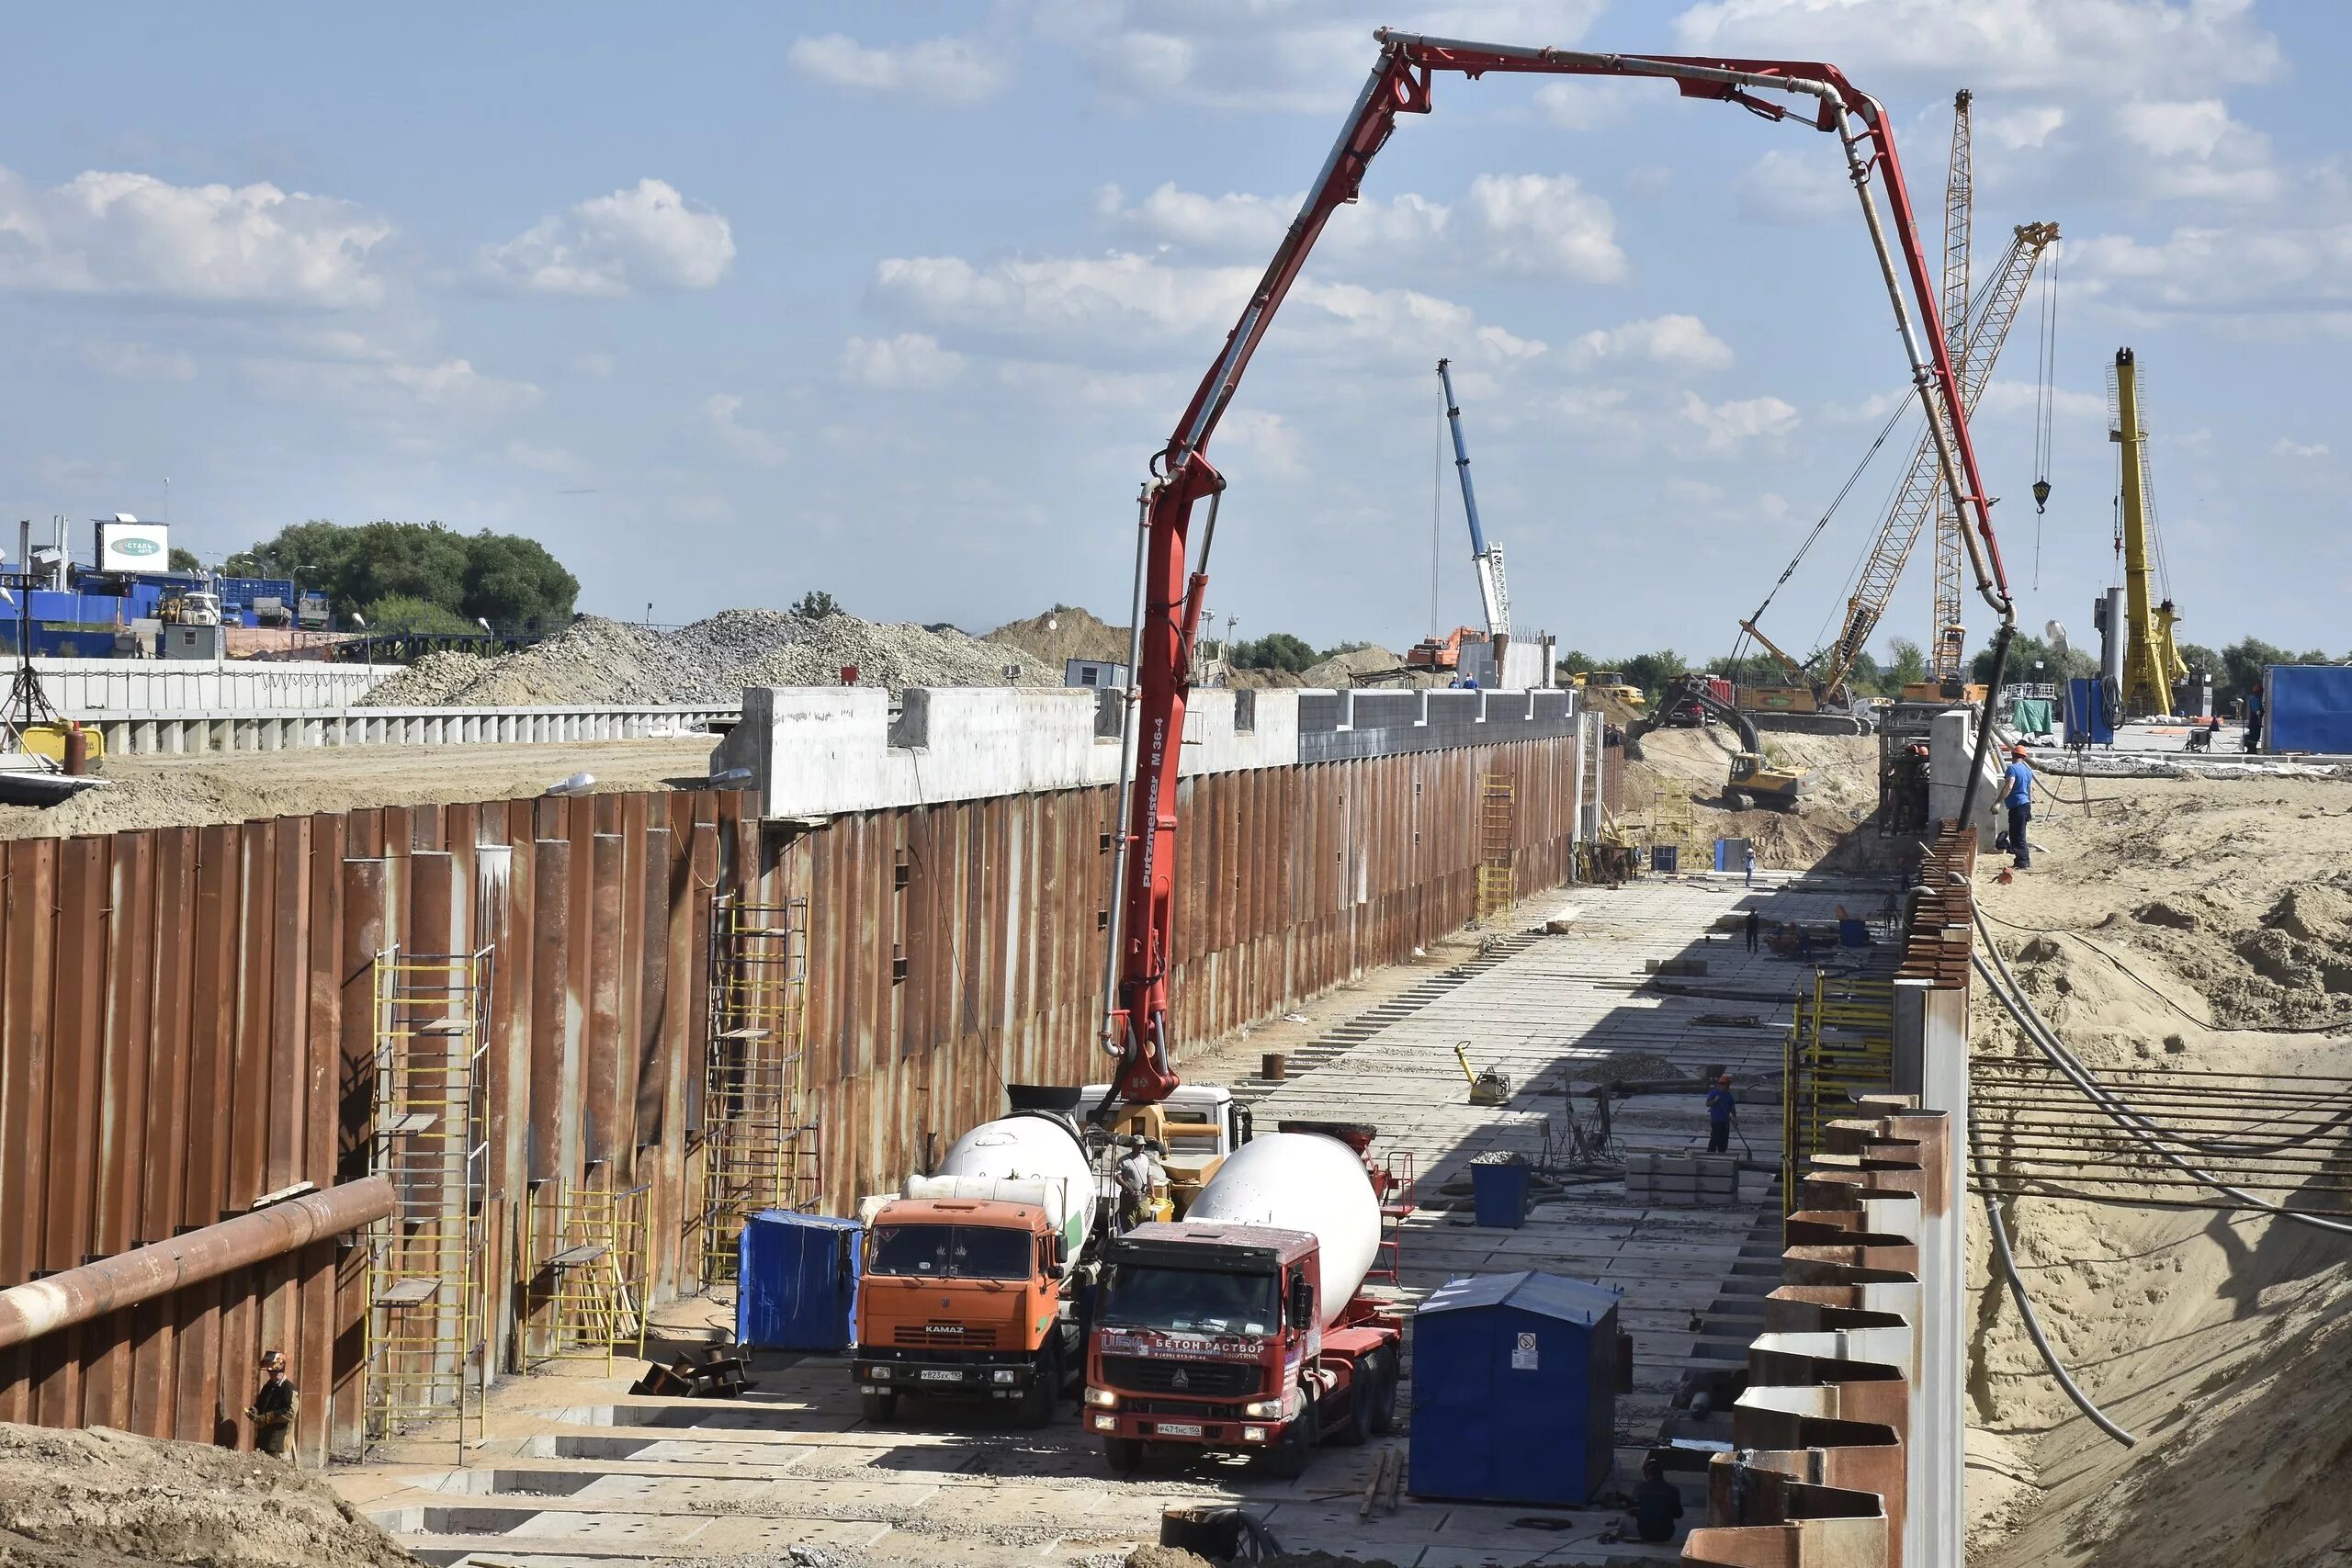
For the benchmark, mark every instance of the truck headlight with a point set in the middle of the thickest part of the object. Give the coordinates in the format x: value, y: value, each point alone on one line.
x: 1253, y: 1434
x: 1003, y: 1374
x: 1106, y: 1423
x: 1102, y: 1396
x: 1263, y: 1409
x: 880, y: 1374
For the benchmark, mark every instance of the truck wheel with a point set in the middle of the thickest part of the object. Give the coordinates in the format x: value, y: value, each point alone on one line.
x: 1287, y: 1460
x: 1044, y: 1387
x: 1348, y: 1432
x: 879, y: 1406
x: 1122, y: 1454
x: 1380, y: 1416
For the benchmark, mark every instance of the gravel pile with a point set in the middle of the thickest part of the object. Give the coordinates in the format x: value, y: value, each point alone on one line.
x: 596, y: 661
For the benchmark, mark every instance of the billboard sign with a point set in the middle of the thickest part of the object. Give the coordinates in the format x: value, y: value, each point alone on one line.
x: 134, y: 546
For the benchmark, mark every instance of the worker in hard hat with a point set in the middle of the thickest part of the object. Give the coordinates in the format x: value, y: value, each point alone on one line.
x: 1138, y: 1176
x: 1657, y: 1502
x: 2018, y: 796
x: 272, y: 1411
x: 1721, y: 1105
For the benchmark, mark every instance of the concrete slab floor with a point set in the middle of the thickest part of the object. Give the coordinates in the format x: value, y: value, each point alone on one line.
x: 575, y: 1471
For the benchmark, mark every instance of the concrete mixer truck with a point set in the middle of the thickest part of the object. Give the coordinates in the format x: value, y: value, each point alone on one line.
x: 1240, y: 1328
x: 973, y: 1273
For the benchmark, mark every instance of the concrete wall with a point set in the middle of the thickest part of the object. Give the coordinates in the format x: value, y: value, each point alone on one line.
x: 816, y: 751
x: 1951, y: 745
x: 197, y: 732
x: 91, y: 688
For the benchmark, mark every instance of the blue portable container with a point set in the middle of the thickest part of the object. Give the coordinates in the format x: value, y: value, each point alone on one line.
x: 2307, y: 707
x: 797, y: 1282
x: 1498, y: 1195
x: 1515, y: 1390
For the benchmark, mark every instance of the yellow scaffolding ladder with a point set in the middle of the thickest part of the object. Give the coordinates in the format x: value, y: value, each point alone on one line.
x: 761, y: 1143
x: 1672, y: 822
x: 1498, y: 879
x: 586, y: 1297
x: 1841, y: 1043
x: 429, y: 1261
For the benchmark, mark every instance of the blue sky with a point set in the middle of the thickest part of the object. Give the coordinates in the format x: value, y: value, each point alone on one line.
x: 728, y: 302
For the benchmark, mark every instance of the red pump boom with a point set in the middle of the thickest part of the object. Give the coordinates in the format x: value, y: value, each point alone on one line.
x: 1166, y: 609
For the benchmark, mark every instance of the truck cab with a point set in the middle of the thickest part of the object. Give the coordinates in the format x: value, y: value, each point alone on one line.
x: 965, y: 1298
x: 1198, y: 1126
x: 1212, y: 1336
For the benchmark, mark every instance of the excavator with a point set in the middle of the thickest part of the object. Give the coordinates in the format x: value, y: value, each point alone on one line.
x: 1170, y: 582
x: 1753, y: 779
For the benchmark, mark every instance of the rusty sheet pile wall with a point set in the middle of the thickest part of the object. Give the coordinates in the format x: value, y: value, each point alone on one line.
x: 1847, y: 1440
x: 187, y: 1018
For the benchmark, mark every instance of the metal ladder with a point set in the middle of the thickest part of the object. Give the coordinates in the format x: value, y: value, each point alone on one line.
x: 760, y: 1141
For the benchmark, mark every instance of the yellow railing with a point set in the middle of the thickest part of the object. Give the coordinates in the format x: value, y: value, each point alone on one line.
x: 585, y: 1269
x: 1841, y: 1043
x: 760, y: 1138
x: 1498, y: 876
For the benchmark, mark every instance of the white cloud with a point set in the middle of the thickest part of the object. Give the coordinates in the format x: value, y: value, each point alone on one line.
x: 951, y: 72
x: 719, y: 411
x: 1080, y: 298
x: 2018, y: 129
x: 542, y: 460
x: 1682, y: 341
x: 2193, y: 148
x: 2283, y: 448
x: 643, y: 238
x: 1270, y: 440
x: 2265, y: 281
x: 113, y: 233
x: 138, y: 362
x: 369, y: 382
x: 1308, y: 55
x: 1546, y: 225
x: 2004, y: 397
x: 1234, y: 222
x: 1792, y: 190
x: 1594, y: 103
x: 1728, y: 426
x: 1998, y: 46
x: 908, y: 360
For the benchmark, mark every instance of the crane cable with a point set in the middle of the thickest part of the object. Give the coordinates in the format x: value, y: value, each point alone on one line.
x: 1902, y: 408
x: 2045, y: 408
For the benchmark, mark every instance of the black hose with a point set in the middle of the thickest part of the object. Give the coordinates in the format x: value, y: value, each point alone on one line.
x: 1984, y: 720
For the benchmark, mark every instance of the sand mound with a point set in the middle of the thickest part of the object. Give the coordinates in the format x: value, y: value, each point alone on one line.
x: 1830, y: 831
x: 2222, y: 1339
x: 1064, y: 633
x: 596, y: 661
x: 106, y: 1499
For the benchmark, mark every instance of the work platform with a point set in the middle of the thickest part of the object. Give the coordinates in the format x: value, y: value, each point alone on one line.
x: 574, y: 1470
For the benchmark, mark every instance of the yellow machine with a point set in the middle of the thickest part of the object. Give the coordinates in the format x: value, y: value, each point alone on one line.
x: 1756, y: 781
x: 1609, y: 684
x: 2151, y: 662
x: 48, y: 740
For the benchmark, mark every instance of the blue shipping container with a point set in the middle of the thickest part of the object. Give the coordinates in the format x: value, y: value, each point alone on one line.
x: 2086, y: 716
x: 797, y: 1282
x: 2307, y: 707
x: 1515, y: 1390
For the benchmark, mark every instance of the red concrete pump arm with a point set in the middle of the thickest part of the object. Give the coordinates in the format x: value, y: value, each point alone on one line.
x: 1167, y: 610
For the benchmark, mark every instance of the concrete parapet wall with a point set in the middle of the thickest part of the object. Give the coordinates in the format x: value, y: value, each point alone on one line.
x: 178, y: 734
x: 85, y: 688
x: 816, y: 751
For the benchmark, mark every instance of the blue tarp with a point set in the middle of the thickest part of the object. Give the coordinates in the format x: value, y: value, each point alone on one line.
x: 797, y: 1282
x: 2307, y: 707
x: 2088, y: 718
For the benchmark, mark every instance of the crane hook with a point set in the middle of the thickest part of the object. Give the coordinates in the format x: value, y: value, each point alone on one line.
x: 2040, y: 497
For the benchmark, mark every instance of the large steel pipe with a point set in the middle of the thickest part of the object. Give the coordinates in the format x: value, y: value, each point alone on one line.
x: 78, y: 1296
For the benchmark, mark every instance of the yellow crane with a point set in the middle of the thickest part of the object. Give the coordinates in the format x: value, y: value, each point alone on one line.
x: 1947, y: 638
x: 2151, y: 662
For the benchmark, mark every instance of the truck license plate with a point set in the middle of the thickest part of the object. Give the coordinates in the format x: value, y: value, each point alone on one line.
x: 937, y: 1374
x: 1177, y: 1428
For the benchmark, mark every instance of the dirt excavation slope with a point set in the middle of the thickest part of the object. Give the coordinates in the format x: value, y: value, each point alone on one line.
x: 2223, y: 1340
x: 1840, y: 793
x: 106, y: 1499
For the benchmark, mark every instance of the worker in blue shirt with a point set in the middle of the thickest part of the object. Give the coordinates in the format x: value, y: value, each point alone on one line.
x: 1720, y: 1105
x: 2018, y: 796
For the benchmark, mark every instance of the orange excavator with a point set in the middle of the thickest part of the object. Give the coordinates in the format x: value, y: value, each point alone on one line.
x: 1170, y: 582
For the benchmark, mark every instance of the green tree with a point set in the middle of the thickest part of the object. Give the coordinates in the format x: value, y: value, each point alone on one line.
x: 404, y: 612
x: 185, y: 560
x: 1906, y: 666
x: 502, y: 578
x: 1651, y: 671
x: 1335, y: 649
x: 1275, y: 651
x: 2025, y: 653
x: 1865, y: 674
x: 816, y: 605
x: 2245, y: 660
